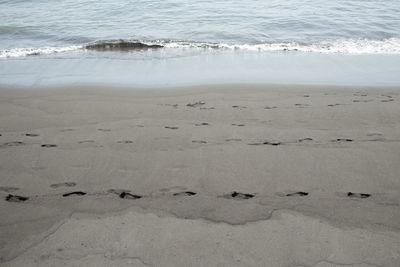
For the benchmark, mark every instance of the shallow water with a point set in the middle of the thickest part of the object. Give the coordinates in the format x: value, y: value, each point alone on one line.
x: 196, y: 38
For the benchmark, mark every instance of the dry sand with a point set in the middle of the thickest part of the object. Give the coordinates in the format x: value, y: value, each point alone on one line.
x: 242, y: 176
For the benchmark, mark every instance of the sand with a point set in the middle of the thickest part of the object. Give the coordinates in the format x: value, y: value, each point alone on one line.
x: 224, y: 175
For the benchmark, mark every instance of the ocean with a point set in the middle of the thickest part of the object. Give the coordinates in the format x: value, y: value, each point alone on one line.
x: 175, y: 42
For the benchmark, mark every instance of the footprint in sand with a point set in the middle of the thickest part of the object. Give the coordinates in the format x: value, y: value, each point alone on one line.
x: 31, y: 135
x: 8, y: 189
x: 199, y: 142
x: 305, y: 139
x: 387, y: 100
x: 171, y: 127
x: 48, y: 145
x: 299, y: 193
x: 86, y: 141
x: 271, y: 143
x: 374, y: 134
x: 202, y: 124
x: 343, y: 140
x: 238, y: 125
x: 238, y: 195
x: 334, y: 105
x: 169, y: 105
x: 233, y: 139
x: 301, y: 105
x: 77, y: 193
x: 365, y: 101
x: 67, y: 130
x: 240, y: 107
x: 118, y: 191
x: 185, y: 193
x: 196, y: 104
x: 127, y: 195
x: 66, y: 184
x: 125, y: 142
x: 270, y: 107
x: 15, y: 198
x: 359, y: 94
x: 14, y: 143
x: 104, y: 130
x: 358, y: 195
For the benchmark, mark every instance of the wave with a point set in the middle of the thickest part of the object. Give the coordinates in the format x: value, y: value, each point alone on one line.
x: 342, y: 46
x: 122, y: 45
x: 345, y: 46
x: 30, y: 51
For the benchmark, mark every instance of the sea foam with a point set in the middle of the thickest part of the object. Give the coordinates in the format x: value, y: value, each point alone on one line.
x: 342, y: 46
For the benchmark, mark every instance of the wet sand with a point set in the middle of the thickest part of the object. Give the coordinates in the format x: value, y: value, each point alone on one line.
x: 224, y: 175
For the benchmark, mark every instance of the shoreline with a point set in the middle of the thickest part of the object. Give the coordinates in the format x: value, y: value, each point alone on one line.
x: 115, y: 176
x: 201, y: 67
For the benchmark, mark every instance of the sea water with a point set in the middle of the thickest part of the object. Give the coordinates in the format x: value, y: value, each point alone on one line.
x: 176, y: 42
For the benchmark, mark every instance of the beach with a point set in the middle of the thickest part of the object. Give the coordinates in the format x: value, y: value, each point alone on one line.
x: 208, y: 175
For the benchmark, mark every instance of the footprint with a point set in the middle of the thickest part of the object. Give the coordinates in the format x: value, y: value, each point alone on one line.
x: 66, y: 184
x: 358, y: 100
x: 48, y: 145
x: 388, y: 96
x: 67, y: 130
x: 333, y: 105
x: 374, y: 134
x: 15, y: 198
x: 8, y: 189
x: 300, y: 193
x: 268, y: 107
x: 78, y: 193
x: 14, y: 143
x: 238, y: 195
x: 186, y: 193
x: 302, y: 105
x: 305, y: 139
x: 104, y: 130
x: 387, y: 100
x: 86, y: 141
x: 343, y: 140
x: 171, y: 127
x: 196, y: 104
x: 173, y: 188
x: 169, y: 105
x: 202, y: 124
x: 238, y: 125
x: 199, y: 142
x: 125, y: 142
x: 271, y: 143
x: 358, y: 195
x: 207, y: 108
x: 31, y: 135
x: 233, y: 139
x: 306, y: 95
x: 359, y: 94
x: 129, y: 195
x: 236, y: 106
x: 117, y: 191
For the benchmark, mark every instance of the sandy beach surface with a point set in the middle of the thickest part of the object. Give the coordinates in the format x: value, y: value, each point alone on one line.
x: 224, y: 175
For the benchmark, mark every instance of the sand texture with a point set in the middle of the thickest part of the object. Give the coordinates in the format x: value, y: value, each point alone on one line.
x: 234, y: 175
